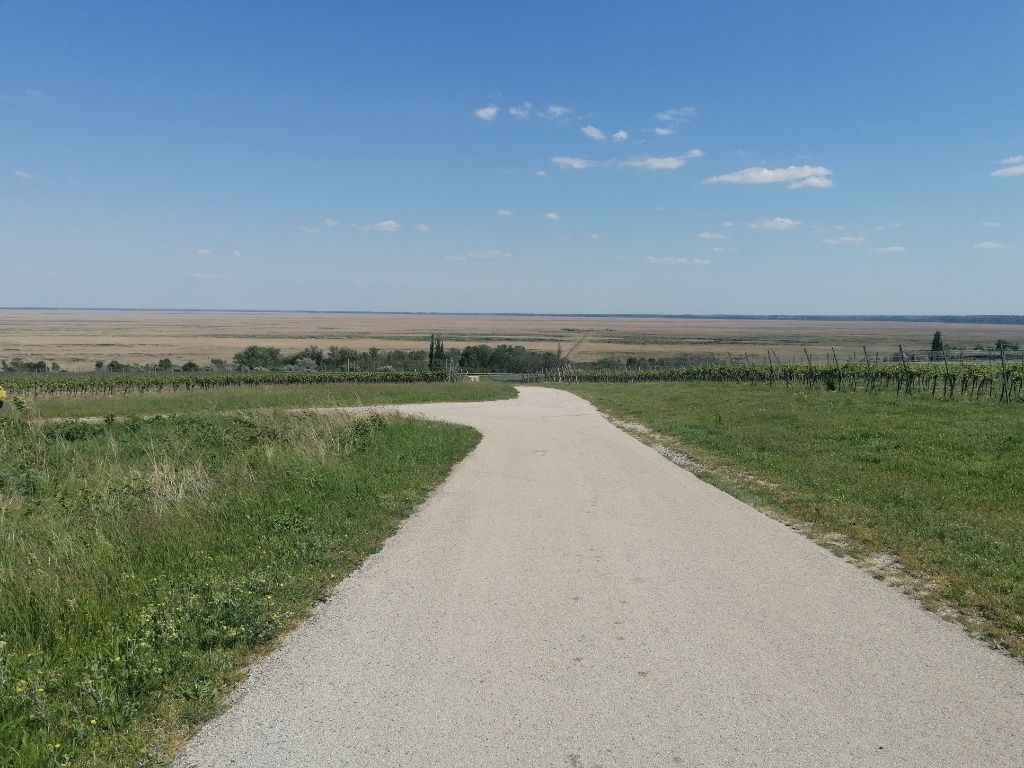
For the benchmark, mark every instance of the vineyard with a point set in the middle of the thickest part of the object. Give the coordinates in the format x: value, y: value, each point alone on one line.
x: 1004, y: 382
x: 49, y: 385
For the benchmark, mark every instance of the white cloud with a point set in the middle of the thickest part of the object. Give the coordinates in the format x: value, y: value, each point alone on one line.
x: 620, y: 136
x: 522, y: 111
x: 422, y: 228
x: 1015, y: 160
x: 481, y: 256
x: 669, y: 163
x: 593, y: 132
x: 674, y: 260
x: 712, y: 236
x: 988, y: 245
x: 330, y: 223
x: 208, y: 276
x: 813, y: 182
x: 309, y: 230
x: 1011, y: 170
x: 504, y: 212
x: 552, y: 216
x: 777, y: 223
x: 542, y: 173
x: 845, y: 240
x: 23, y: 175
x: 799, y: 175
x: 236, y: 253
x: 204, y: 252
x: 553, y: 110
x: 990, y: 224
x: 596, y: 236
x: 663, y: 131
x: 677, y: 115
x: 578, y: 163
x: 387, y: 225
x: 487, y: 113
x: 890, y: 249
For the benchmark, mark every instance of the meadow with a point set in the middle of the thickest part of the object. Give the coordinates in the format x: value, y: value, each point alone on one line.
x: 146, y: 561
x: 925, y: 492
x: 244, y: 398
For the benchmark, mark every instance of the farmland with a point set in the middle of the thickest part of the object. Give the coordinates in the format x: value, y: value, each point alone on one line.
x: 76, y: 339
x: 927, y: 492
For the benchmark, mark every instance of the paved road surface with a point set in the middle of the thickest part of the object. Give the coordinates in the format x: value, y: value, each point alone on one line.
x: 571, y: 598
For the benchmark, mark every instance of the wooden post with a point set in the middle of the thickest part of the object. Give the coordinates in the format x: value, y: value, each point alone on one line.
x: 949, y: 380
x: 906, y: 371
x: 1004, y: 394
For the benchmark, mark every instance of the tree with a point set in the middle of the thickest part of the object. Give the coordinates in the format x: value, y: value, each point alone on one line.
x: 165, y: 364
x: 439, y: 359
x: 259, y: 357
x: 339, y: 357
x: 189, y: 367
x: 936, y: 345
x: 313, y: 355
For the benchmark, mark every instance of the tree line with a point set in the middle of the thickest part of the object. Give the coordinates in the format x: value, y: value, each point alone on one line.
x: 479, y: 358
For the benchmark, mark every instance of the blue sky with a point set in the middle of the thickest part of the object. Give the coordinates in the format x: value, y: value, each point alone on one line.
x: 701, y: 157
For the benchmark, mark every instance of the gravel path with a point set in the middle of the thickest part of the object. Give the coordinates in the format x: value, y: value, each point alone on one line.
x: 571, y: 598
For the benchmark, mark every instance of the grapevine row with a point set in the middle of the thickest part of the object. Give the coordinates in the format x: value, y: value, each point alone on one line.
x: 966, y: 380
x: 41, y: 385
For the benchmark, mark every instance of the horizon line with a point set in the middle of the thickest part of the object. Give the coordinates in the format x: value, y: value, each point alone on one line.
x: 998, y: 319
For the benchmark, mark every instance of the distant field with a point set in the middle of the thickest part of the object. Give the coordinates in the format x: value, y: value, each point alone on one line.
x: 278, y: 396
x: 928, y: 492
x: 76, y: 339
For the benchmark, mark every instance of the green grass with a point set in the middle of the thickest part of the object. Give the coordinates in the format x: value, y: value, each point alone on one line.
x: 168, y: 402
x: 144, y: 562
x: 938, y: 485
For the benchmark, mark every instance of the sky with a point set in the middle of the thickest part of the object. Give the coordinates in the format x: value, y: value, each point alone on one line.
x: 648, y: 157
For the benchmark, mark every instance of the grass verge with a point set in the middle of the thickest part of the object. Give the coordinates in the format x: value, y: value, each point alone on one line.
x: 145, y: 562
x: 268, y: 396
x: 926, y: 493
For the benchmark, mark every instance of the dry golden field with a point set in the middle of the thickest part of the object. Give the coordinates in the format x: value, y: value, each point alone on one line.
x: 77, y: 338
